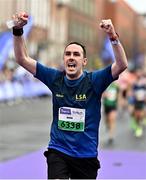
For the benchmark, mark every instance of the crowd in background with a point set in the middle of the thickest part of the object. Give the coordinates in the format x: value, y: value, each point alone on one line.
x: 18, y: 84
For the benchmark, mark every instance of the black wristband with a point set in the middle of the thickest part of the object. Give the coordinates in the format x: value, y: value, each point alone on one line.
x: 17, y: 32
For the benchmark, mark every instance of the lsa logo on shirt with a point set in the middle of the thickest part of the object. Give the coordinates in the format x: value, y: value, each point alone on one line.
x: 80, y: 97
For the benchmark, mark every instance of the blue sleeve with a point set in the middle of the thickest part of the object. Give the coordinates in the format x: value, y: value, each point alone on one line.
x: 101, y: 79
x: 45, y: 74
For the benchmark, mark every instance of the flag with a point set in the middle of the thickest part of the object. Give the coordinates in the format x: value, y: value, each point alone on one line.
x: 107, y: 53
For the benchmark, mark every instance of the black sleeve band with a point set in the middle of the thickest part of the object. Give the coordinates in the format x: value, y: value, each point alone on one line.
x: 17, y: 32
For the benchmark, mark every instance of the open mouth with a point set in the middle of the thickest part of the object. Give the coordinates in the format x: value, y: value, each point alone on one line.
x: 71, y: 65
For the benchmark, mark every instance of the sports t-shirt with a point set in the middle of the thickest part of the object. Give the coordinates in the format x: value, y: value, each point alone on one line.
x: 111, y: 98
x: 76, y: 109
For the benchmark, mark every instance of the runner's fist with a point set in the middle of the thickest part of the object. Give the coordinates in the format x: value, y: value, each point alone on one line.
x: 20, y: 19
x: 108, y: 27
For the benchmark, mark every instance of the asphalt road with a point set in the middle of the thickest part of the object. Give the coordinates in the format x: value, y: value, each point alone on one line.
x: 25, y: 127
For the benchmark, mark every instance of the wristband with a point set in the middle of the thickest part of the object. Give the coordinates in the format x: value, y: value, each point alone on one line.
x: 115, y: 42
x: 17, y: 32
x: 115, y: 39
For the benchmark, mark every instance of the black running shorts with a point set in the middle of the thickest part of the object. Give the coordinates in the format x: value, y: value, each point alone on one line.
x: 62, y: 166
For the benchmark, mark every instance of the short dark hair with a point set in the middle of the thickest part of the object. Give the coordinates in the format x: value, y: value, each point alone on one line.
x: 77, y: 43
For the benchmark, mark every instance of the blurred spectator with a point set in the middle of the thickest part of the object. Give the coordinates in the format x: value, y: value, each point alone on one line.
x: 138, y: 100
x: 17, y: 84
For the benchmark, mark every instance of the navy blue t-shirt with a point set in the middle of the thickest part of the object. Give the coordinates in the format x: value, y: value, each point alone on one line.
x: 84, y: 93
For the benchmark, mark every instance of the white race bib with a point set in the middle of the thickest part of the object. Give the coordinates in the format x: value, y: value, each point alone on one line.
x: 71, y: 119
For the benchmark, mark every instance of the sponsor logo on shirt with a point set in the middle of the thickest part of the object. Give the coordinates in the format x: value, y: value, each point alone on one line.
x: 80, y: 97
x: 60, y: 95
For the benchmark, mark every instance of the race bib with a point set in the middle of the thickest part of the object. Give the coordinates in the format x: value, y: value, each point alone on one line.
x: 112, y: 94
x: 71, y: 119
